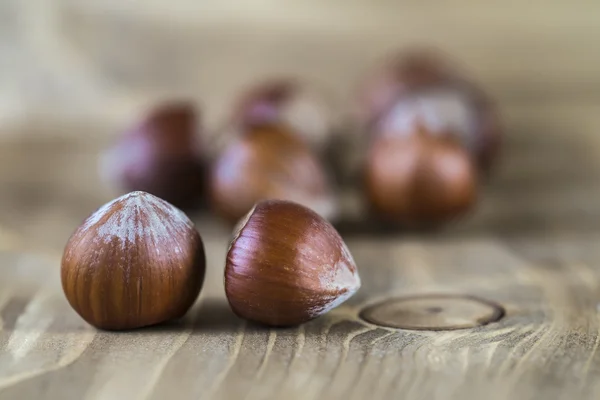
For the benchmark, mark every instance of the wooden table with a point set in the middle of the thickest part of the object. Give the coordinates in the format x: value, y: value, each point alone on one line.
x: 532, y: 247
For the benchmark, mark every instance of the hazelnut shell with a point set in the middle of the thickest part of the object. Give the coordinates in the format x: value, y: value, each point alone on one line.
x: 306, y: 110
x: 423, y: 72
x: 160, y: 155
x: 420, y: 181
x: 286, y: 265
x: 269, y: 162
x: 136, y: 261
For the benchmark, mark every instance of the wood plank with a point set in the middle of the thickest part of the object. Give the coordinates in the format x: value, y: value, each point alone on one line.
x: 544, y: 346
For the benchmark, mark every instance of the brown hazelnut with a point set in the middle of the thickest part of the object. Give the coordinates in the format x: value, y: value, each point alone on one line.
x: 421, y: 180
x: 306, y: 109
x: 136, y: 261
x: 269, y: 162
x: 161, y: 156
x: 286, y: 265
x: 422, y: 85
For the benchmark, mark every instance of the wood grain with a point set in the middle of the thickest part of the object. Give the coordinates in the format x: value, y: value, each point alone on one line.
x: 531, y: 247
x: 546, y: 346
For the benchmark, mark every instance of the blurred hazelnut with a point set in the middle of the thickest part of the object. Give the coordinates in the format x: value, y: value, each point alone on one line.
x: 160, y: 156
x: 286, y: 265
x: 421, y: 180
x: 269, y: 162
x: 422, y: 85
x: 136, y: 261
x: 305, y: 109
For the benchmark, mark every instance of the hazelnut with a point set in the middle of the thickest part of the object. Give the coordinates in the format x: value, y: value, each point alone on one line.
x: 286, y: 265
x: 269, y: 162
x: 161, y: 156
x: 422, y: 85
x: 305, y: 109
x: 421, y: 180
x: 136, y: 261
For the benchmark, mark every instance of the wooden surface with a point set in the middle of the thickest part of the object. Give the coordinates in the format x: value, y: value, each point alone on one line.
x: 531, y: 247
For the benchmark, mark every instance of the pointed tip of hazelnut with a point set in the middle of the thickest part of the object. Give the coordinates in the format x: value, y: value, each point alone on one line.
x: 135, y: 217
x: 287, y: 265
x: 173, y: 117
x: 307, y: 109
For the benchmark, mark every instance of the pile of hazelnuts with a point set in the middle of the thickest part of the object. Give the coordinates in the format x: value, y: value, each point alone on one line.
x: 428, y: 136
